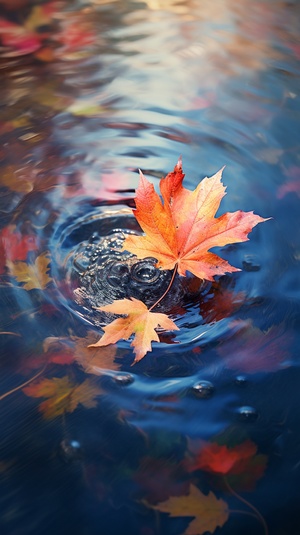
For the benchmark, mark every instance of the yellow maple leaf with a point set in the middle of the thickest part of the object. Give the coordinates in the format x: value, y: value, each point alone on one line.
x: 209, y: 511
x: 32, y: 275
x: 19, y: 180
x: 63, y: 395
x: 138, y: 321
x: 39, y: 16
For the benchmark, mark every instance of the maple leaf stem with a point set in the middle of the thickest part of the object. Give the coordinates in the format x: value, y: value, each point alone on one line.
x: 24, y: 384
x: 10, y: 332
x: 241, y: 499
x: 242, y: 512
x: 166, y: 291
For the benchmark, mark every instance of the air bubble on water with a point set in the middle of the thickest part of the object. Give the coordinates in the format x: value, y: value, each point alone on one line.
x: 241, y: 380
x: 71, y: 450
x: 123, y: 379
x: 203, y: 389
x: 247, y: 414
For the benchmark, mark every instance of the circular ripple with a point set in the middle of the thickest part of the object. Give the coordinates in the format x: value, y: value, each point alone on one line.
x: 106, y: 273
x: 90, y: 269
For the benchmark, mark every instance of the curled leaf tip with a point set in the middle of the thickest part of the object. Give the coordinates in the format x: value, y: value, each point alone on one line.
x: 179, y: 163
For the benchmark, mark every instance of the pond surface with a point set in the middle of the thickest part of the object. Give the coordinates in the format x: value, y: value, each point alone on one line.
x: 202, y: 435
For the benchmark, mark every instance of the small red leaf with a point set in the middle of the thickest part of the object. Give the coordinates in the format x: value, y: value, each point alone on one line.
x: 221, y: 459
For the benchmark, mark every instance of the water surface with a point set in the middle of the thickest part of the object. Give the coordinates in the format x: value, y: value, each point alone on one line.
x: 90, y: 93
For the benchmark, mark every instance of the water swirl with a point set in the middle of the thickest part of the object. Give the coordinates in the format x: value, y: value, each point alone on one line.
x: 90, y: 269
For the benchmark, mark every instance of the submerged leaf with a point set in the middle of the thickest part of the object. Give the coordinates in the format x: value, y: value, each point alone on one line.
x: 40, y: 16
x: 63, y: 395
x: 94, y: 361
x: 138, y: 321
x: 240, y: 463
x: 223, y: 304
x: 16, y: 179
x: 15, y: 246
x: 220, y: 459
x: 32, y: 275
x: 208, y: 511
x: 18, y: 38
x: 250, y: 350
x: 180, y: 226
x: 160, y: 478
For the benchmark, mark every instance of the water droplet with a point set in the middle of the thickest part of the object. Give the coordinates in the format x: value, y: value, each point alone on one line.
x: 71, y: 450
x: 94, y: 237
x: 203, y: 389
x: 123, y: 379
x: 247, y: 414
x: 241, y: 380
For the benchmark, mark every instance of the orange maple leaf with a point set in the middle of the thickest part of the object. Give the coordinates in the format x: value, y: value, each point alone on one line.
x: 180, y: 226
x: 138, y: 321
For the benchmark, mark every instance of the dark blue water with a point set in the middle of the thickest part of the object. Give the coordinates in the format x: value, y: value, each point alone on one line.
x: 90, y: 93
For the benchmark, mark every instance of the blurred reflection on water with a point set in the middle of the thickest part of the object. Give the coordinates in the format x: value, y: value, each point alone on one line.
x: 91, y: 91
